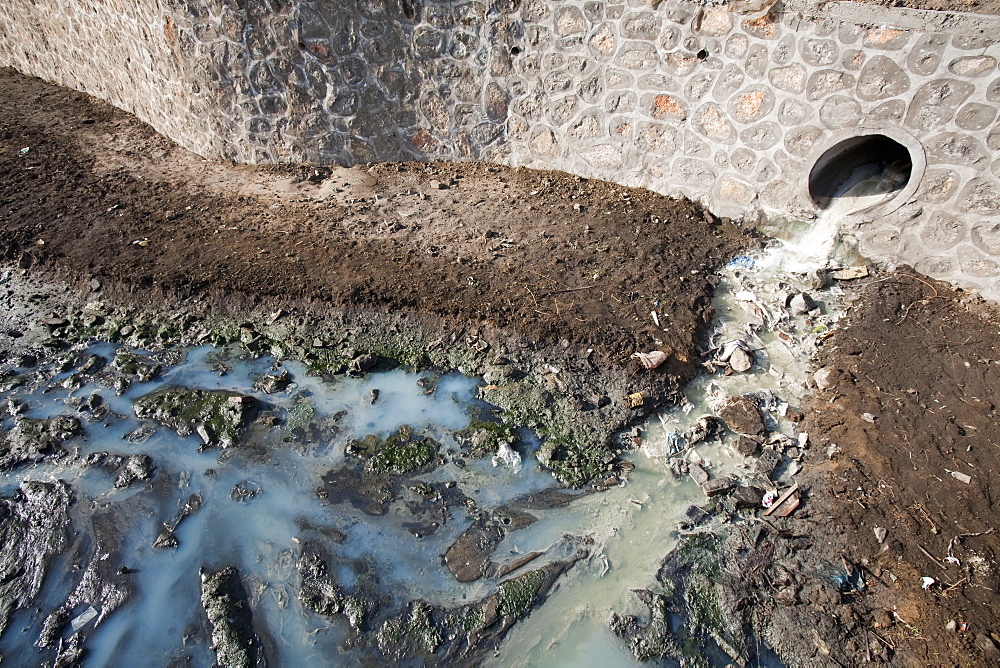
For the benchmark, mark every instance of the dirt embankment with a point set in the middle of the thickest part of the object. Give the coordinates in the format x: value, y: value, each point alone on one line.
x: 907, y: 440
x: 540, y: 275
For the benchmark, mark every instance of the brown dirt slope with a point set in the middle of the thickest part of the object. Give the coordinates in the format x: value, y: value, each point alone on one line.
x: 914, y: 414
x: 551, y: 257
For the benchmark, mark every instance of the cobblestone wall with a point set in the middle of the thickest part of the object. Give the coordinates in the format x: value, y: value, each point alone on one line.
x: 729, y: 104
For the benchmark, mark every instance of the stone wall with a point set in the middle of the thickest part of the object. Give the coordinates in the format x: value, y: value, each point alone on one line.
x: 729, y: 104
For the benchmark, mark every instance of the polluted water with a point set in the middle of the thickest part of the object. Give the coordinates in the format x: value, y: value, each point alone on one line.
x: 160, y: 510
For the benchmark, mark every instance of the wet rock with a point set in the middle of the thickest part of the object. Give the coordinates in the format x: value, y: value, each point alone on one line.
x: 801, y: 304
x: 698, y: 474
x: 718, y: 486
x: 766, y: 463
x: 468, y: 558
x: 165, y: 539
x: 742, y: 416
x: 748, y: 446
x: 483, y: 439
x: 321, y: 594
x: 693, y: 516
x: 244, y: 490
x: 402, y: 453
x: 190, y: 507
x: 737, y: 354
x: 219, y: 417
x: 136, y: 467
x: 225, y: 602
x: 93, y: 407
x: 33, y: 529
x: 270, y: 383
x: 654, y: 639
x: 9, y: 380
x: 130, y: 364
x: 747, y: 497
x: 37, y: 440
x: 362, y: 364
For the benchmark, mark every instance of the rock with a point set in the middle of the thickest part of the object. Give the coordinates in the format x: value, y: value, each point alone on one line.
x: 692, y: 517
x: 767, y: 462
x: 270, y: 383
x: 135, y: 467
x: 165, y: 539
x: 742, y: 416
x: 362, y: 364
x: 748, y: 497
x: 718, y: 486
x: 748, y: 446
x: 825, y: 378
x: 741, y: 360
x: 698, y: 474
x: 218, y: 416
x: 34, y: 521
x: 37, y: 440
x: 801, y: 303
x: 228, y: 609
x: 244, y: 490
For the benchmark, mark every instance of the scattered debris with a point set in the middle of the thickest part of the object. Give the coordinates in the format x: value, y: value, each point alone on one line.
x: 926, y: 583
x: 961, y: 477
x: 849, y: 273
x: 737, y: 354
x: 880, y: 534
x: 786, y: 503
x: 802, y: 303
x: 634, y: 400
x: 652, y: 359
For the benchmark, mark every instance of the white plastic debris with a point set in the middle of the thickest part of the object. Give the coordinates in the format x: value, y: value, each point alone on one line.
x: 961, y: 477
x: 769, y: 498
x: 926, y: 583
x: 880, y: 534
x: 508, y: 457
x: 82, y: 620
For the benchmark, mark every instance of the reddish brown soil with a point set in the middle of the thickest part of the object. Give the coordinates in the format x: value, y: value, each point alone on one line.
x: 921, y: 361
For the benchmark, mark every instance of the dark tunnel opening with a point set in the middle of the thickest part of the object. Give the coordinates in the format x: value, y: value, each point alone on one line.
x: 858, y: 167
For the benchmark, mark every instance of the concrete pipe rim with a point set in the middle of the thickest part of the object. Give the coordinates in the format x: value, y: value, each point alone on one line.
x: 918, y: 164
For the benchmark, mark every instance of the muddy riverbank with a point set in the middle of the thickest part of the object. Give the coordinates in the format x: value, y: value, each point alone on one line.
x: 544, y: 285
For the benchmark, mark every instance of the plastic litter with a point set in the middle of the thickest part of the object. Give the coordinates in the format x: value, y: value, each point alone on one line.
x: 961, y: 477
x: 652, y: 359
x: 741, y: 262
x: 82, y: 620
x: 769, y: 498
x: 926, y: 583
x: 24, y: 150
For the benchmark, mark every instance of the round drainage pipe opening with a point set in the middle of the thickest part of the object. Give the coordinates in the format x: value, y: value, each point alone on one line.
x: 860, y: 173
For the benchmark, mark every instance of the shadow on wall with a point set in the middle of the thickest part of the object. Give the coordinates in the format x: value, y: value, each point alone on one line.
x: 350, y: 82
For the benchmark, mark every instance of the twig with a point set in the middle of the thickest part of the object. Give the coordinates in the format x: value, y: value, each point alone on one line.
x: 932, y: 558
x: 882, y: 640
